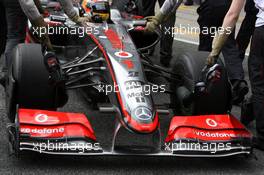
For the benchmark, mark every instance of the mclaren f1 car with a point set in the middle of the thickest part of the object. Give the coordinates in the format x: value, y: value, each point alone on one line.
x: 110, y: 65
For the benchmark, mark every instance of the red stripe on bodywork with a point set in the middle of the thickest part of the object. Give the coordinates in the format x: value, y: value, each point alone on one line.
x: 114, y: 39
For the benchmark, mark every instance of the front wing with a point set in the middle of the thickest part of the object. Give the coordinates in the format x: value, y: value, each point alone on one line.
x: 63, y: 133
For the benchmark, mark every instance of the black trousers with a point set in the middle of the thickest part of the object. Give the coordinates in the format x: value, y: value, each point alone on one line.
x: 166, y: 43
x: 256, y: 76
x: 211, y: 16
x: 3, y: 28
x: 247, y: 27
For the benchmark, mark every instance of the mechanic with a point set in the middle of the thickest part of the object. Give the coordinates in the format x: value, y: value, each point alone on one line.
x: 255, y: 64
x: 211, y: 15
x: 33, y: 9
x: 2, y: 28
x: 247, y: 27
x: 243, y: 38
x: 148, y: 8
x: 17, y: 12
x: 2, y: 40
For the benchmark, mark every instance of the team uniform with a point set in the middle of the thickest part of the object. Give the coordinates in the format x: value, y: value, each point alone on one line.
x: 256, y: 72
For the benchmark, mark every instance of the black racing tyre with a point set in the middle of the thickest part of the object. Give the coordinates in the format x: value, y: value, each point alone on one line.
x: 28, y: 82
x: 189, y: 66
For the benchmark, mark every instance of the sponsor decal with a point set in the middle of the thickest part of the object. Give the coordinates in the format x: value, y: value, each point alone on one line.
x: 128, y: 63
x: 211, y: 122
x: 143, y: 113
x: 43, y: 118
x: 133, y: 84
x: 123, y: 54
x: 135, y: 94
x: 42, y: 130
x: 133, y: 74
x: 218, y: 134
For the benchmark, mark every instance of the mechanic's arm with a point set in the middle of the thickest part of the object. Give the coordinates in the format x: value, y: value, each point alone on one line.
x: 67, y: 6
x: 31, y: 11
x: 227, y: 28
x: 168, y: 8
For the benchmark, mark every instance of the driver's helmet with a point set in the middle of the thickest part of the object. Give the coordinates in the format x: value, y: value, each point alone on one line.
x: 98, y: 9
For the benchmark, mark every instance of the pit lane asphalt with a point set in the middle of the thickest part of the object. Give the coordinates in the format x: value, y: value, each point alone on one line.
x: 40, y: 164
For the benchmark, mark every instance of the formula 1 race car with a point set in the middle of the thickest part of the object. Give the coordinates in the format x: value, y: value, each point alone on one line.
x: 110, y: 65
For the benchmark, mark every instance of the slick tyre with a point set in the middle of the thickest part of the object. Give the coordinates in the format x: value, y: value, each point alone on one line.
x: 28, y: 82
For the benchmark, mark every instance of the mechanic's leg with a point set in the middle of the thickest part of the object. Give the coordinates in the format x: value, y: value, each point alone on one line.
x: 167, y: 38
x: 245, y: 33
x: 211, y: 15
x: 16, y: 27
x: 3, y: 32
x: 2, y: 28
x: 232, y: 59
x: 205, y: 22
x: 235, y: 69
x: 247, y: 27
x: 256, y: 75
x: 148, y: 9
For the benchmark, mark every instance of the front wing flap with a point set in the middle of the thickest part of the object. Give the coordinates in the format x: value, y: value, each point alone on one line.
x: 55, y: 132
x: 209, y: 135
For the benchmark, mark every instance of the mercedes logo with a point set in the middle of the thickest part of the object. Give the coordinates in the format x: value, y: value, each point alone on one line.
x: 143, y: 113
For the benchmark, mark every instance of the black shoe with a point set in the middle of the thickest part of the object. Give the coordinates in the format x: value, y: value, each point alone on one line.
x: 240, y: 89
x: 247, y: 114
x: 258, y: 144
x: 188, y: 3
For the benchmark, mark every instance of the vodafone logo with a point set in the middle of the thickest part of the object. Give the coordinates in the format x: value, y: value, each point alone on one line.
x: 123, y: 54
x: 211, y: 122
x: 41, y: 118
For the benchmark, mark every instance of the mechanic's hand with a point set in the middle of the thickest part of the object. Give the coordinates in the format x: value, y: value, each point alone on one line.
x: 211, y: 60
x: 39, y: 23
x: 153, y: 22
x: 81, y: 20
x: 217, y: 45
x: 45, y: 40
